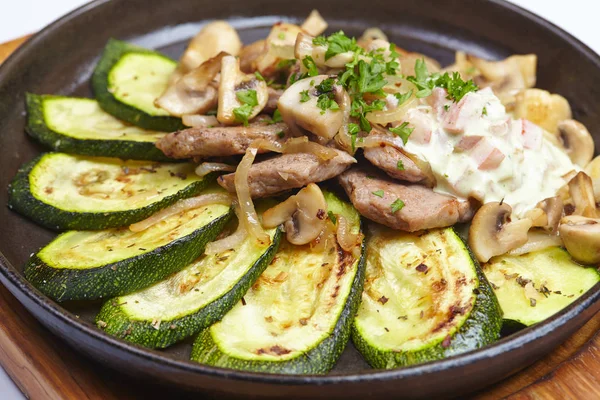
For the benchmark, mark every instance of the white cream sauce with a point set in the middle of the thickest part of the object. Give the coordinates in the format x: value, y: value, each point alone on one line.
x: 477, y: 150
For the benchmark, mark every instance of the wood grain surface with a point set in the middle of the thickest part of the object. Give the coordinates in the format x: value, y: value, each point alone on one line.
x: 45, y: 368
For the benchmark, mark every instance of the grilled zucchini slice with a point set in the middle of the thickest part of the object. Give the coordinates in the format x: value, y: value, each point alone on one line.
x: 88, y: 265
x: 79, y: 126
x: 128, y: 79
x: 425, y: 298
x: 191, y: 299
x: 532, y: 287
x: 62, y: 191
x: 296, y: 318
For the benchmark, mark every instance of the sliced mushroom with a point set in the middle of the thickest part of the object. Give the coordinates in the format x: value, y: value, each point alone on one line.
x: 303, y: 215
x: 505, y: 77
x: 593, y: 170
x: 233, y: 81
x: 250, y: 54
x: 581, y: 237
x: 542, y: 108
x: 371, y: 34
x: 314, y: 24
x: 307, y: 115
x: 576, y: 141
x: 493, y: 233
x: 212, y: 39
x: 194, y: 92
x: 582, y: 196
x: 547, y: 214
x: 279, y: 46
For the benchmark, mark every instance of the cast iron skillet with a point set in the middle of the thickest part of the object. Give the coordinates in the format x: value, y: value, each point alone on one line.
x: 60, y: 59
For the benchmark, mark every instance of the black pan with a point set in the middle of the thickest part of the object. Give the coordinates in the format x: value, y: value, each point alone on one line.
x: 60, y: 59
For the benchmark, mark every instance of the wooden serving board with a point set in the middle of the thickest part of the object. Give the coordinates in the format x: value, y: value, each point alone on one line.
x: 45, y: 368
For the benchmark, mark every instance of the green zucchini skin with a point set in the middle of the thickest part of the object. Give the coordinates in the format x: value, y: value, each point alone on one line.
x: 124, y: 276
x: 125, y: 149
x: 480, y: 329
x: 21, y: 199
x: 114, y: 50
x: 142, y: 331
x: 319, y: 360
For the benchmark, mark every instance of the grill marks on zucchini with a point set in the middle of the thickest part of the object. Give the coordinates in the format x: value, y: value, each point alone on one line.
x: 80, y: 126
x: 128, y: 79
x: 424, y: 299
x: 80, y: 265
x: 190, y: 300
x: 532, y: 287
x: 62, y: 191
x: 296, y: 317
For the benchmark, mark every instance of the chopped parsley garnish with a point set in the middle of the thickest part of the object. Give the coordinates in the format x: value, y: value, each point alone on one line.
x: 365, y: 74
x: 403, y: 131
x: 280, y: 134
x: 242, y: 114
x: 484, y: 111
x: 281, y: 36
x: 446, y: 107
x: 379, y: 193
x: 249, y: 100
x: 336, y: 44
x: 326, y: 96
x: 247, y: 97
x: 332, y: 217
x: 304, y: 96
x: 402, y: 98
x: 400, y: 165
x: 454, y: 85
x: 283, y: 64
x: 310, y: 65
x: 259, y: 76
x: 276, y: 118
x: 397, y: 205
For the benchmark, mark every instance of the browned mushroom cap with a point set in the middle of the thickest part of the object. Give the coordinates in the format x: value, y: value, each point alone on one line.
x: 582, y: 196
x: 542, y: 108
x: 194, y: 92
x: 576, y: 141
x: 212, y: 39
x: 303, y: 215
x: 492, y: 232
x: 581, y: 237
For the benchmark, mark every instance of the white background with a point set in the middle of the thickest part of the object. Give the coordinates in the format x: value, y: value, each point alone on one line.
x: 20, y: 17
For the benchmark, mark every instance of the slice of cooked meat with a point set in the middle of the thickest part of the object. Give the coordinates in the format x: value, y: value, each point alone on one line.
x: 289, y: 171
x: 219, y: 141
x: 373, y: 195
x: 388, y: 158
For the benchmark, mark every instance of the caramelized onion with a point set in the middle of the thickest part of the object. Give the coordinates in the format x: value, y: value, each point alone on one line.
x: 536, y: 241
x: 395, y: 114
x: 208, y: 167
x: 181, y: 206
x: 343, y: 138
x: 347, y: 240
x: 231, y: 241
x: 199, y: 121
x: 248, y: 216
